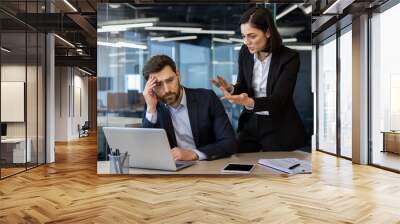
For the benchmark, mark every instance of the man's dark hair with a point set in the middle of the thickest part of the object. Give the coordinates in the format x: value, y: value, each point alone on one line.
x: 261, y: 18
x: 156, y: 64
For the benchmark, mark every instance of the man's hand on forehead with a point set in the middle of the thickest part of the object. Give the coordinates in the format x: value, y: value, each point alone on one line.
x: 153, y: 77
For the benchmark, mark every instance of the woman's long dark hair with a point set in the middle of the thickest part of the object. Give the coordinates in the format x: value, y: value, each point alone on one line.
x: 261, y: 18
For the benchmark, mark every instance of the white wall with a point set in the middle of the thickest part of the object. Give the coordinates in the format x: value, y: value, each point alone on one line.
x: 71, y: 94
x: 14, y: 73
x: 61, y: 103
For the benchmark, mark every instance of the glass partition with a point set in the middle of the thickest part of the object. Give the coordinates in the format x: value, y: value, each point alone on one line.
x: 22, y: 89
x: 14, y: 153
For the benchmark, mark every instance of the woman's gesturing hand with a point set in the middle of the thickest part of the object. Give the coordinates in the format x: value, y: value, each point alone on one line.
x: 220, y: 82
x: 241, y: 99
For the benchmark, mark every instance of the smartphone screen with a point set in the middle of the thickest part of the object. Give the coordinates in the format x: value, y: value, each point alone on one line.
x: 238, y: 167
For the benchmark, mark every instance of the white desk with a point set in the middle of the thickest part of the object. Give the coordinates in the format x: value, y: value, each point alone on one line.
x: 19, y: 149
x: 118, y: 121
x: 215, y: 166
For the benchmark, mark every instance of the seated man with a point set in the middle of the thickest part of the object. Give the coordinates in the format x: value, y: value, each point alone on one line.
x: 194, y: 119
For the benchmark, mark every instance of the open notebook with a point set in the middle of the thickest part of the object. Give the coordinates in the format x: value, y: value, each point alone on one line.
x: 285, y: 164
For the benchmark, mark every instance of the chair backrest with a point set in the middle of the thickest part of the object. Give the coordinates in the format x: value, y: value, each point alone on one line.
x: 86, y: 125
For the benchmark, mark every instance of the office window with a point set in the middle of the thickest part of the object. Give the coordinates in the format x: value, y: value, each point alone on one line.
x: 327, y: 95
x: 385, y: 88
x: 345, y: 93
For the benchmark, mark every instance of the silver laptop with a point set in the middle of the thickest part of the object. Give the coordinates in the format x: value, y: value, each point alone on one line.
x: 148, y: 148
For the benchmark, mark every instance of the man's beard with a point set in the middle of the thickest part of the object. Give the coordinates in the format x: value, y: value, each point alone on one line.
x: 171, y: 97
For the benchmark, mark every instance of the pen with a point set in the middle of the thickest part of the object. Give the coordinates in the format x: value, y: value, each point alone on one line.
x: 114, y: 161
x: 117, y: 164
x: 294, y: 166
x: 125, y: 155
x: 123, y: 161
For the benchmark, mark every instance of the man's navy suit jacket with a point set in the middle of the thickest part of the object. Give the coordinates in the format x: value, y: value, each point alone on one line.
x: 212, y: 132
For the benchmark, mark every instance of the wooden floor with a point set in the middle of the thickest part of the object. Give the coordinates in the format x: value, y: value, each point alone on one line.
x: 5, y: 172
x: 70, y: 191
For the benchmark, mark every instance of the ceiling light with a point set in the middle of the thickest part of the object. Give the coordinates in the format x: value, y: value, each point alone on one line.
x: 170, y: 28
x: 289, y: 40
x: 286, y: 11
x: 156, y: 38
x: 107, y: 44
x: 5, y: 50
x: 236, y: 40
x: 84, y: 71
x: 338, y: 6
x: 113, y: 28
x: 229, y: 32
x: 128, y: 21
x: 70, y: 5
x: 65, y: 41
x: 165, y: 39
x: 131, y: 45
x: 215, y: 39
x: 300, y: 47
x: 122, y: 44
x: 114, y: 6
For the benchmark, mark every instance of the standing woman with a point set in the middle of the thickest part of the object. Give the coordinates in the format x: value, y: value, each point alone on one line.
x: 265, y: 84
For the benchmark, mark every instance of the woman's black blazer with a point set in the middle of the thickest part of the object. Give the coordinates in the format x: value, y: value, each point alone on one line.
x: 287, y: 130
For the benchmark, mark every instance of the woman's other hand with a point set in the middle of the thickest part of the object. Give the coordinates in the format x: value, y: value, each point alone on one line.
x: 220, y: 82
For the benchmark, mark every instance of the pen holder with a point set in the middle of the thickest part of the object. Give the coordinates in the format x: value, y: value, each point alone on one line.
x: 119, y: 164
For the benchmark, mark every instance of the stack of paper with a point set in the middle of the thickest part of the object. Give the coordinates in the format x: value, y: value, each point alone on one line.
x: 287, y: 165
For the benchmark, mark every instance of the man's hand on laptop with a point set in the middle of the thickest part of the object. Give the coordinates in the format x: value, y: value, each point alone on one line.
x: 183, y: 154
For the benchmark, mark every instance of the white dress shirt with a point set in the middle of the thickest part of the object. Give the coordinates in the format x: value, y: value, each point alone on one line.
x: 260, y: 78
x: 182, y: 128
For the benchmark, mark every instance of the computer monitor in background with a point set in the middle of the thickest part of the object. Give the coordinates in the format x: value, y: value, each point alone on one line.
x: 133, y: 97
x: 3, y: 129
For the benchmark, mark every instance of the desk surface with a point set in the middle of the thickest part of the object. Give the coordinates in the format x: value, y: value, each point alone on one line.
x: 215, y: 166
x: 117, y: 121
x: 14, y: 140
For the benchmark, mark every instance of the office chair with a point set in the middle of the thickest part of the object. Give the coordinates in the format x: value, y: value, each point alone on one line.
x: 84, y: 130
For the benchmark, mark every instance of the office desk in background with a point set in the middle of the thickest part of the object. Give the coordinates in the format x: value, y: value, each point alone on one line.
x: 391, y: 141
x: 214, y: 167
x: 13, y: 150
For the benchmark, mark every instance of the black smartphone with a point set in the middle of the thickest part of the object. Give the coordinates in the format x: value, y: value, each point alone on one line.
x: 238, y: 168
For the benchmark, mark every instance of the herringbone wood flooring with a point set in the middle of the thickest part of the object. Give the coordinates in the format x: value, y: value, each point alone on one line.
x: 70, y: 191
